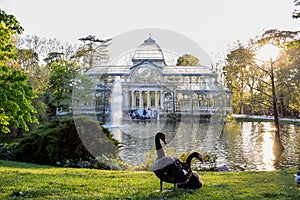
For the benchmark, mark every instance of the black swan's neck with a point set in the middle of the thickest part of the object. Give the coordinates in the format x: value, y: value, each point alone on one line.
x: 159, y: 149
x: 190, y: 157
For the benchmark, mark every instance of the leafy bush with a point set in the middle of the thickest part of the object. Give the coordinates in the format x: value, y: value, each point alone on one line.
x: 59, y: 140
x: 8, y: 151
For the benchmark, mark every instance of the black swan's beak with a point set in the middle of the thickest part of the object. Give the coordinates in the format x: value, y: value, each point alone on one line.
x: 201, y: 159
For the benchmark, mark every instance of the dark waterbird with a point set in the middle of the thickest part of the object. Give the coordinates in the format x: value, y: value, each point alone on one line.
x: 194, y: 181
x: 168, y: 169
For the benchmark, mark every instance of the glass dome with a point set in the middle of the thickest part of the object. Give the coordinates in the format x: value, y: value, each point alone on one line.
x: 149, y: 50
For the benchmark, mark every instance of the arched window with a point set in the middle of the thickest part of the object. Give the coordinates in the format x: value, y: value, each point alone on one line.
x: 145, y: 74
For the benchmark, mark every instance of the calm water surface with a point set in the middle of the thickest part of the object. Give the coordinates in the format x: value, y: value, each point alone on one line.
x: 238, y: 145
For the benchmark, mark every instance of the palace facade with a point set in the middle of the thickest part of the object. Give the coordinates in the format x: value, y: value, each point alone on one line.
x: 149, y: 83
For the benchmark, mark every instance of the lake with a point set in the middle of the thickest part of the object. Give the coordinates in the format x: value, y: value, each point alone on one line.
x: 237, y: 145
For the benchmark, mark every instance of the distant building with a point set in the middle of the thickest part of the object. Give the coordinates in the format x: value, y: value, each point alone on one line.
x: 150, y: 83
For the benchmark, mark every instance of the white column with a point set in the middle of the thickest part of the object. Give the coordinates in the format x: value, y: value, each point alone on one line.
x: 156, y: 99
x: 191, y: 96
x: 148, y: 99
x: 132, y: 99
x: 126, y: 99
x: 141, y: 99
x: 161, y: 100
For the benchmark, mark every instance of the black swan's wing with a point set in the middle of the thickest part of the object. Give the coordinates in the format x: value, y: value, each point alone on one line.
x: 163, y: 162
x: 171, y: 170
x: 194, y: 182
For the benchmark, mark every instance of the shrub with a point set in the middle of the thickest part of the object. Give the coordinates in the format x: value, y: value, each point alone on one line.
x: 59, y: 140
x: 8, y: 151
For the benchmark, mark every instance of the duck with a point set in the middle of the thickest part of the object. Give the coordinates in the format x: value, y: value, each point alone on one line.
x: 194, y: 181
x: 168, y: 169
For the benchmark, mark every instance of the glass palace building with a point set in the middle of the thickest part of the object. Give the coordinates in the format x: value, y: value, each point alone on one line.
x: 149, y: 84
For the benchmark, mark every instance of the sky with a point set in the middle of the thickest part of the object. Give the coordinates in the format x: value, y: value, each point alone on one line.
x: 214, y: 25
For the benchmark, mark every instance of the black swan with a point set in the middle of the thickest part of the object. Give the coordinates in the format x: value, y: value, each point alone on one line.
x: 168, y: 169
x: 194, y: 181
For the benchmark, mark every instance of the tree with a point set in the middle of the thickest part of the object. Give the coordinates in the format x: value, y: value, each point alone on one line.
x: 16, y: 96
x: 296, y: 13
x: 251, y: 83
x: 36, y: 55
x: 53, y: 57
x: 286, y: 70
x: 48, y: 50
x: 276, y: 37
x: 92, y: 50
x: 187, y: 60
x: 289, y: 79
x: 28, y: 61
x: 59, y: 92
x: 241, y: 77
x: 266, y: 86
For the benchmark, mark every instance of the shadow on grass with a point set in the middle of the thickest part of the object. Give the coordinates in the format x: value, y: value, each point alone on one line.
x: 15, y: 164
x: 168, y: 194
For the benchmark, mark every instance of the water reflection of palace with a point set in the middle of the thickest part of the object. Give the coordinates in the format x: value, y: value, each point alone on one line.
x: 150, y: 83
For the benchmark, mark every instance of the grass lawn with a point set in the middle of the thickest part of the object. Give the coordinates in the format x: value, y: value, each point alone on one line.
x: 29, y: 181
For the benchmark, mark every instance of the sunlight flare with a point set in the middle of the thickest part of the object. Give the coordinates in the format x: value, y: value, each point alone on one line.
x: 268, y: 156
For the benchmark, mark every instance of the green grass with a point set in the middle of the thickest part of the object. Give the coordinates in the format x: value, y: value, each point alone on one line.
x: 29, y: 181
